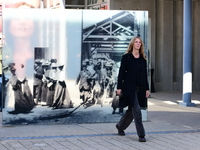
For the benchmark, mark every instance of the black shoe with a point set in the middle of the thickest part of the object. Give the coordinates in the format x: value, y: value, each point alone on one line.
x: 142, y: 139
x: 120, y: 131
x: 113, y: 112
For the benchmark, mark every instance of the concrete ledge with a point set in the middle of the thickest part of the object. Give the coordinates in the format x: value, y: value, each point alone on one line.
x: 188, y: 104
x: 144, y: 114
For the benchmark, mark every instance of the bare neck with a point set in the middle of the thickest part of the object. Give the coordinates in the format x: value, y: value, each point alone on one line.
x: 136, y: 53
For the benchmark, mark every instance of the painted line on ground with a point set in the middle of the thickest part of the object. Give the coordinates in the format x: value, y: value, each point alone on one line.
x: 92, y: 135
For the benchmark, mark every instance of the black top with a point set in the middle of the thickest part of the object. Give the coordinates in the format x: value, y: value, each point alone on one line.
x: 137, y: 72
x: 133, y: 75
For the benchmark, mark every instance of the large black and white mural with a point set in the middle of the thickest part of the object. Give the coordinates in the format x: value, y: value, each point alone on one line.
x: 61, y: 66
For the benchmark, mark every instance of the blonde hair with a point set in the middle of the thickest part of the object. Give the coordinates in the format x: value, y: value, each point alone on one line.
x: 130, y: 46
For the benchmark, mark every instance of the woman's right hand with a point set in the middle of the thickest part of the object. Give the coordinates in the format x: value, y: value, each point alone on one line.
x: 119, y: 91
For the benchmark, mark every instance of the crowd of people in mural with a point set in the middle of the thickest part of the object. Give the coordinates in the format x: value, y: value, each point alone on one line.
x: 97, y: 79
x: 50, y: 88
x: 97, y: 82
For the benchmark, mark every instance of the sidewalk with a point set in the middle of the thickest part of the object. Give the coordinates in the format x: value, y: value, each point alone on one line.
x: 169, y: 126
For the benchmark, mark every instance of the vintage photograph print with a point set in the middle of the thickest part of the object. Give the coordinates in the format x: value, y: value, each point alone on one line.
x: 61, y: 67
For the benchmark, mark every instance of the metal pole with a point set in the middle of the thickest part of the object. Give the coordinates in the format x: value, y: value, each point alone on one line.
x: 187, y: 53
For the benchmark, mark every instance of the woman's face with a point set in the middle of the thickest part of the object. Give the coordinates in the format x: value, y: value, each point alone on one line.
x: 137, y: 44
x: 35, y: 3
x: 21, y: 27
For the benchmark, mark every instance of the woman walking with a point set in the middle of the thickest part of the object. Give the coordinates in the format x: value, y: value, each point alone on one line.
x: 133, y: 84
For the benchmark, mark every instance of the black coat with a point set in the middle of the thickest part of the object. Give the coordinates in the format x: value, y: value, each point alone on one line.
x: 127, y: 80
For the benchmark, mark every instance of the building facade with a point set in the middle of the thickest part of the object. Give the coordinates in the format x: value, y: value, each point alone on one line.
x: 166, y: 40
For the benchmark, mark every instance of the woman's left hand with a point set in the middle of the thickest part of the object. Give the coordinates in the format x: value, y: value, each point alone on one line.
x: 147, y: 94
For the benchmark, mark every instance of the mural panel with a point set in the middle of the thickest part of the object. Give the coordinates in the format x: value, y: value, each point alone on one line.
x: 61, y: 67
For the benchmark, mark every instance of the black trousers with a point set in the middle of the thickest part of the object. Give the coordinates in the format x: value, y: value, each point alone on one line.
x: 133, y: 112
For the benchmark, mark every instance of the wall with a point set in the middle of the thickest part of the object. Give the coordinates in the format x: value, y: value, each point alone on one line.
x: 196, y: 45
x: 167, y: 40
